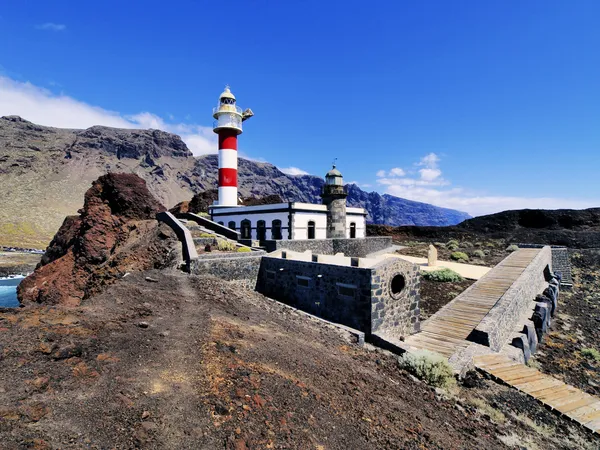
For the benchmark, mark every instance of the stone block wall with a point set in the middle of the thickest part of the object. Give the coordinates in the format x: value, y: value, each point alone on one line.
x: 349, y: 247
x: 496, y: 327
x: 561, y: 262
x: 244, y: 268
x: 360, y: 298
x: 395, y: 308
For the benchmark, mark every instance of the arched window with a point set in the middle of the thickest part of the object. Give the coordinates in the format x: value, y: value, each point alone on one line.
x: 276, y: 229
x: 352, y: 230
x: 311, y: 230
x: 261, y: 230
x: 232, y: 224
x: 221, y: 223
x: 246, y: 229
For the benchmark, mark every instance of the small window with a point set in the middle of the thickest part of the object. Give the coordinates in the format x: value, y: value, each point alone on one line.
x: 352, y: 230
x: 398, y: 284
x: 261, y: 230
x: 232, y: 224
x: 276, y: 229
x: 221, y: 223
x: 246, y: 229
x: 346, y: 290
x: 311, y: 230
x: 303, y: 281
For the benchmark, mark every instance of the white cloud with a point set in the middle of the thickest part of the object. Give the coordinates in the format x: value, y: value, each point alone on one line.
x: 41, y: 106
x: 430, y: 174
x: 293, y: 171
x: 395, y: 172
x: 49, y: 26
x: 431, y: 188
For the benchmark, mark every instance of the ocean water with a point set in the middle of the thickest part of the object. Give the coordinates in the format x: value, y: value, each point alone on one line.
x: 8, y: 291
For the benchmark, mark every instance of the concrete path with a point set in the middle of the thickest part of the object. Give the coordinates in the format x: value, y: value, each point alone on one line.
x: 567, y: 400
x: 447, y: 330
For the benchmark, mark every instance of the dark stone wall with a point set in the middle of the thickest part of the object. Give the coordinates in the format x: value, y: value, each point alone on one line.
x: 395, y: 314
x: 314, y: 288
x: 360, y: 298
x: 349, y: 247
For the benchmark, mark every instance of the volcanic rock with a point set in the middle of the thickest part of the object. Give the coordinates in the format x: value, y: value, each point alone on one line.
x: 115, y: 233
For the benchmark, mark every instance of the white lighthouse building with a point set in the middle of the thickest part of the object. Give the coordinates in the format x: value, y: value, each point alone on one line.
x: 290, y: 220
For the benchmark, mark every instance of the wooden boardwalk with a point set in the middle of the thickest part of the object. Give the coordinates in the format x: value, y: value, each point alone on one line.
x: 568, y: 400
x: 446, y: 331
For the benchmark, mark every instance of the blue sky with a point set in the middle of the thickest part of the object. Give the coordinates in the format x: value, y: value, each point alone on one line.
x: 478, y: 106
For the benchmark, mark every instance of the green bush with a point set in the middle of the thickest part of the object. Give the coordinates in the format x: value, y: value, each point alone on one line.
x: 206, y: 235
x: 443, y: 275
x: 428, y: 366
x: 452, y: 242
x: 244, y: 249
x: 459, y: 256
x: 479, y: 254
x: 452, y: 247
x: 226, y: 246
x: 466, y: 244
x: 512, y: 248
x: 591, y: 353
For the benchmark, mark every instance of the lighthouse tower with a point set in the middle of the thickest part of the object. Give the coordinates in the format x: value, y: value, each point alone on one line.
x: 228, y: 124
x: 334, y: 196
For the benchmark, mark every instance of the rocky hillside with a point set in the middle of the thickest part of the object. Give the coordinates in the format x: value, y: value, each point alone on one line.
x: 45, y: 171
x: 569, y: 227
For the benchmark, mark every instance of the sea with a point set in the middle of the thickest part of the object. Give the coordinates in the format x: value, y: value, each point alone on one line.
x: 8, y: 291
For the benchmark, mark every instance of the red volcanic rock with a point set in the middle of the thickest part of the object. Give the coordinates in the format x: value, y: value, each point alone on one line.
x: 116, y: 232
x: 198, y: 204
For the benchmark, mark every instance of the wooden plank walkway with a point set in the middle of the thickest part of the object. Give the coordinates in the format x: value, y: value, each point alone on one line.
x: 568, y: 400
x: 447, y: 330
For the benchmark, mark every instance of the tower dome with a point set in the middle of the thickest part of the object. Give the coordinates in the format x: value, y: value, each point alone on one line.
x: 334, y: 177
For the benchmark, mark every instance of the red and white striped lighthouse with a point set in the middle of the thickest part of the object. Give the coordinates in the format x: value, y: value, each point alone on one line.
x: 228, y: 124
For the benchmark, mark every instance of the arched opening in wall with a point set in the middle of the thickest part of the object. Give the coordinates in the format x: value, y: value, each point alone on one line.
x: 221, y: 223
x: 261, y: 230
x: 311, y: 230
x: 352, y: 230
x: 246, y: 229
x: 397, y: 285
x: 276, y: 229
x: 232, y: 224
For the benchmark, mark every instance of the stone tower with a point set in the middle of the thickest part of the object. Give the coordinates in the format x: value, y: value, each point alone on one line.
x: 334, y: 196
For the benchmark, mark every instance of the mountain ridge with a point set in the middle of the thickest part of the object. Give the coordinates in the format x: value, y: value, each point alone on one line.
x: 45, y: 171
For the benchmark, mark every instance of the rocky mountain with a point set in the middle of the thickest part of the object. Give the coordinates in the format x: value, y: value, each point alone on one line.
x: 45, y: 171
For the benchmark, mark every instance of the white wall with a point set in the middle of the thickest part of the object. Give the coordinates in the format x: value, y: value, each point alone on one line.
x: 254, y: 218
x: 300, y: 224
x: 300, y: 220
x: 359, y: 220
